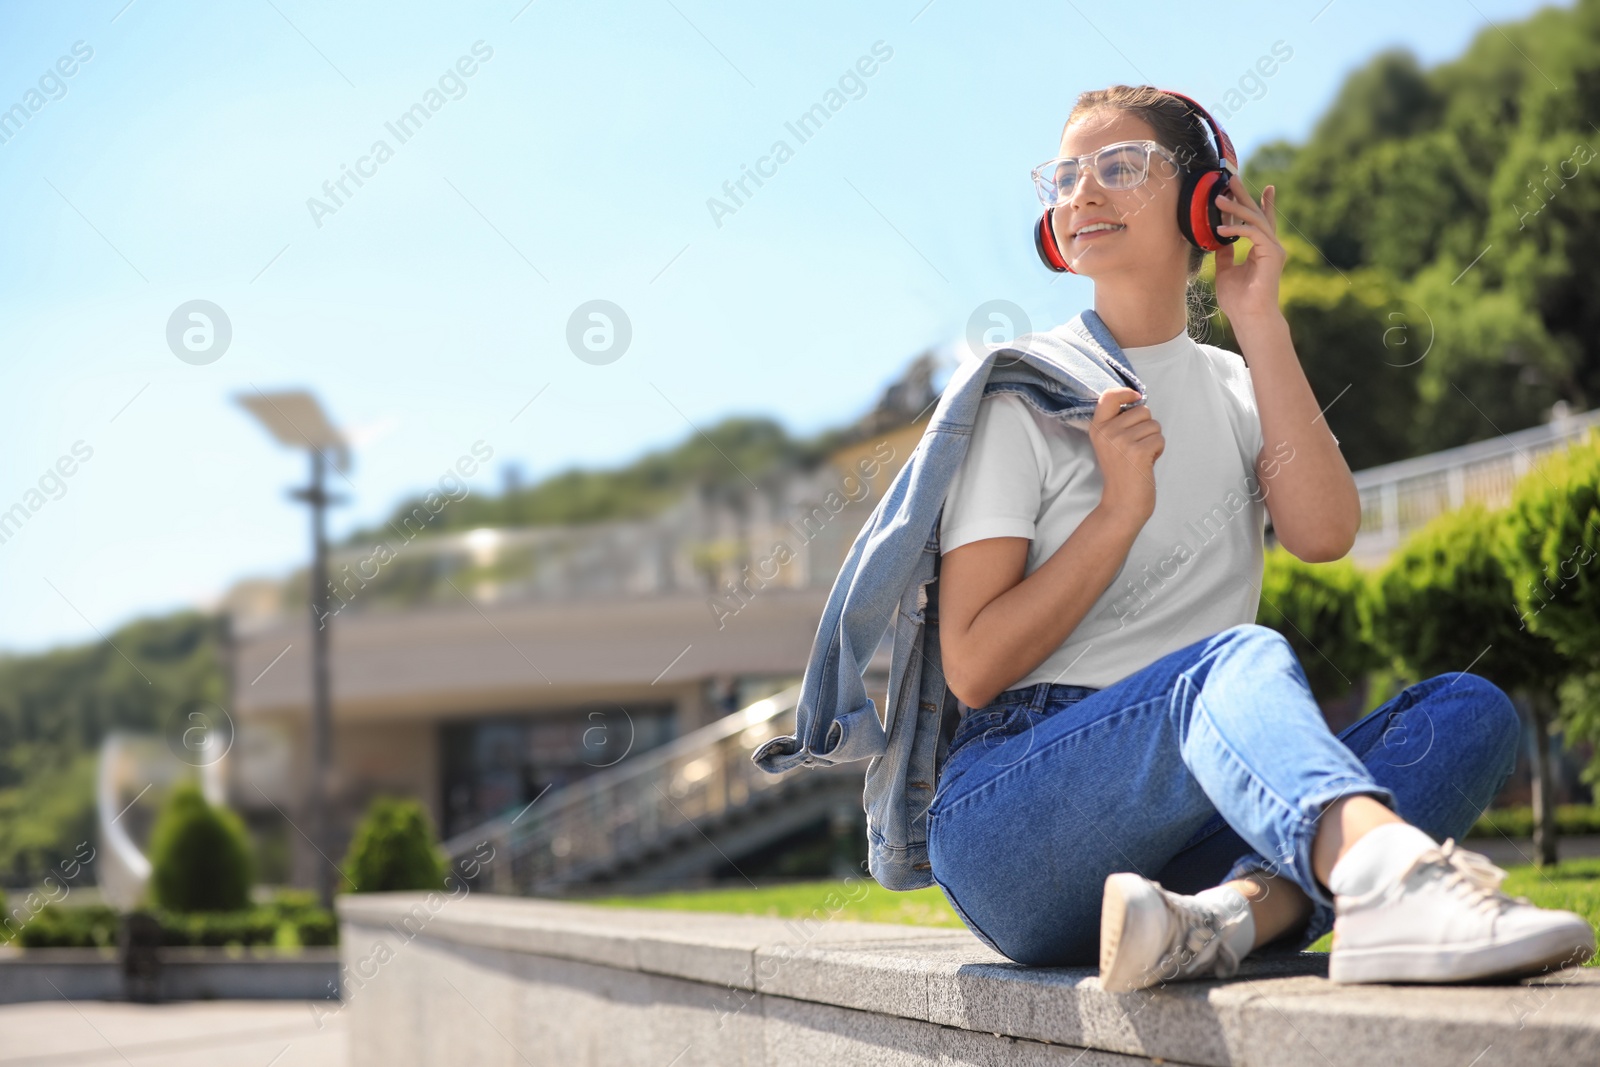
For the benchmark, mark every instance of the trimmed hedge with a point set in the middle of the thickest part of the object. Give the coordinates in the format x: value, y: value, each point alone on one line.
x: 290, y: 920
x: 1571, y: 819
x: 1317, y: 607
x: 59, y: 926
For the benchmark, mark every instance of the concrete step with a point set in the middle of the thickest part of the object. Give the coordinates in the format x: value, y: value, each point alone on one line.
x: 564, y: 982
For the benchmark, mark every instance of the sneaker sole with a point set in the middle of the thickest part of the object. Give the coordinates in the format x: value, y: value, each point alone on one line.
x: 1561, y: 946
x: 1127, y: 907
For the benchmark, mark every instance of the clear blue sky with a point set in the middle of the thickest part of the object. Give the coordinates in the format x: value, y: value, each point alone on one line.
x: 575, y: 163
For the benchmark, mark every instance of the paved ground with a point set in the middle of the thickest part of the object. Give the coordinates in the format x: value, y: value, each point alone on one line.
x: 234, y: 1033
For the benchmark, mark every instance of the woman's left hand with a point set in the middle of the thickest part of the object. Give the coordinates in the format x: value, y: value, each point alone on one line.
x: 1249, y: 290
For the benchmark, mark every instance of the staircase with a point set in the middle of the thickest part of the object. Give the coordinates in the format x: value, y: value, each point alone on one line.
x: 669, y: 816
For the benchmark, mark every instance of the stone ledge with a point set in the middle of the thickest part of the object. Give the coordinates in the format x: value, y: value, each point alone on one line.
x: 1281, y: 1008
x: 186, y: 973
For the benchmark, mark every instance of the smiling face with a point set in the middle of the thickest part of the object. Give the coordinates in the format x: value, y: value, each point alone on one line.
x: 1150, y: 240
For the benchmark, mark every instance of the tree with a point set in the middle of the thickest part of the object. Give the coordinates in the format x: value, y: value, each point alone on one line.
x: 1356, y: 340
x: 393, y: 849
x: 1476, y: 171
x: 1483, y: 360
x: 56, y: 706
x: 1347, y: 178
x: 1548, y: 547
x: 1444, y: 603
x: 199, y: 855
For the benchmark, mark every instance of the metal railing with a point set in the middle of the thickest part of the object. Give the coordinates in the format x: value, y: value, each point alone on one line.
x: 1397, y: 498
x: 638, y: 808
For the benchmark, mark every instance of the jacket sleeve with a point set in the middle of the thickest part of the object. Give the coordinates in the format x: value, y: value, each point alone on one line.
x: 846, y: 639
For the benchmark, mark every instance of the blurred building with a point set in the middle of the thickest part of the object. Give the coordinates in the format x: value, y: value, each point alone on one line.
x: 477, y: 670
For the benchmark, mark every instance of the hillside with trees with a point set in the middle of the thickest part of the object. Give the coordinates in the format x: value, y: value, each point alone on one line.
x: 1444, y: 234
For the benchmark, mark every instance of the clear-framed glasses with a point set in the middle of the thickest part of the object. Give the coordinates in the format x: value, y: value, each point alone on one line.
x: 1123, y: 165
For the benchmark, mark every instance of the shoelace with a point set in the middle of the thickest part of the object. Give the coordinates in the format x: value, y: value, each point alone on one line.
x: 1197, y: 935
x: 1470, y: 874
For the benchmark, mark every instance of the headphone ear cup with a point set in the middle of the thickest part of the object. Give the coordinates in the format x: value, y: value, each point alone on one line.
x: 1186, y: 197
x: 1044, y: 242
x: 1198, y: 214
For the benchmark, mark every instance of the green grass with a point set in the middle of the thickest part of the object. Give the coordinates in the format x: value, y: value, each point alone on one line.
x: 857, y: 899
x: 1574, y: 885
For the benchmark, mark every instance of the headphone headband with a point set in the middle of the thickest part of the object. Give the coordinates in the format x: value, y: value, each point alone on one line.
x: 1224, y: 144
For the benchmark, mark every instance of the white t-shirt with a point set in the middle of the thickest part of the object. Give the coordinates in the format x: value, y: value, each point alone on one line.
x: 1193, y: 570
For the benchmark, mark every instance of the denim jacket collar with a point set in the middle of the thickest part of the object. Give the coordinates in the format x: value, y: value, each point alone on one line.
x: 889, y: 577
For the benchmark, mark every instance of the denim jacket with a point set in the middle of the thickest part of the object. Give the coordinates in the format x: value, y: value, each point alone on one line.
x: 890, y: 574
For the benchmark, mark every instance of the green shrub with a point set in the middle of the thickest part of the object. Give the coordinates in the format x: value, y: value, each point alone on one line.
x: 301, y: 921
x: 394, y: 849
x: 1518, y: 821
x: 84, y: 926
x: 312, y: 928
x: 199, y: 856
x: 1444, y: 599
x: 290, y: 920
x: 1552, y: 536
x: 1316, y: 606
x: 1549, y: 545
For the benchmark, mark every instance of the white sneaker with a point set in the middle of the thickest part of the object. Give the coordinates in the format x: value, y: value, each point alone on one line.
x: 1445, y: 919
x: 1150, y: 935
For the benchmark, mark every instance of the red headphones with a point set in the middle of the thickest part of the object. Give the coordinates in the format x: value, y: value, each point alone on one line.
x: 1198, y: 214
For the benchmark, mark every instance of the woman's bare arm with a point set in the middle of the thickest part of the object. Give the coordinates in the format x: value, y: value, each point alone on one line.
x: 1316, y: 510
x: 995, y: 625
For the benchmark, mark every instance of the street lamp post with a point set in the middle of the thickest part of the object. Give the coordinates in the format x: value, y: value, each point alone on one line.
x: 298, y: 421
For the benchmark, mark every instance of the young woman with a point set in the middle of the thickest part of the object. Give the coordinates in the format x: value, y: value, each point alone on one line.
x: 1141, y: 774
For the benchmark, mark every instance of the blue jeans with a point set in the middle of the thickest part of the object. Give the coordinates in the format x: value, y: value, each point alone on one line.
x: 1210, y: 763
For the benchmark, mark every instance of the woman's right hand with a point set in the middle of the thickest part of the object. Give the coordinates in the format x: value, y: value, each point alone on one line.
x: 1126, y: 443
